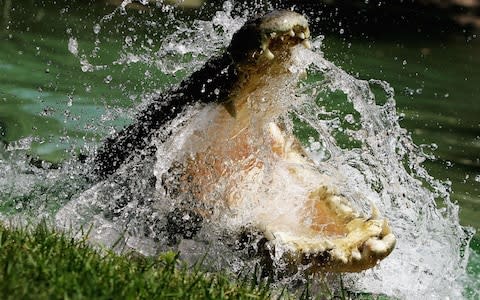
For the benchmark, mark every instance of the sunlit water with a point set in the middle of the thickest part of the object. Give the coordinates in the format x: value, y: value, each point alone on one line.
x: 350, y: 126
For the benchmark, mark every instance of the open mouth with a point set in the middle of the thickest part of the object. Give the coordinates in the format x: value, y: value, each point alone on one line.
x: 328, y: 234
x: 282, y: 30
x: 270, y: 36
x: 337, y: 241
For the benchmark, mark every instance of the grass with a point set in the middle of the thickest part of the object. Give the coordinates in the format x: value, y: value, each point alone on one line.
x: 40, y: 263
x: 43, y: 264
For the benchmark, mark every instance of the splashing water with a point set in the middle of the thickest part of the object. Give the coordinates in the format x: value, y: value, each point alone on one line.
x: 387, y: 168
x: 361, y: 145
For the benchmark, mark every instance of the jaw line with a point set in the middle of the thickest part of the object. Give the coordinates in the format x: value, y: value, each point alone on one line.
x: 363, y: 244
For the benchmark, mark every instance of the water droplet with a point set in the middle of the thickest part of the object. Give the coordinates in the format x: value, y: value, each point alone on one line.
x: 108, y: 79
x: 409, y: 91
x: 128, y: 41
x: 96, y: 28
x: 350, y: 119
x: 477, y: 178
x: 404, y: 62
x: 73, y: 46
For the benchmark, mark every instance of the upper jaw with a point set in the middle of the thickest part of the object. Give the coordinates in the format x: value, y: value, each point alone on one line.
x: 283, y: 29
x: 269, y: 36
x: 282, y: 20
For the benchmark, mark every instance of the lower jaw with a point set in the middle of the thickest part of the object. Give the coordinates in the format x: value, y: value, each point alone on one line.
x: 366, y: 243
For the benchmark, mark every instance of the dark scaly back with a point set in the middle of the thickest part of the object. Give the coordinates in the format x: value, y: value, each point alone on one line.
x: 212, y: 83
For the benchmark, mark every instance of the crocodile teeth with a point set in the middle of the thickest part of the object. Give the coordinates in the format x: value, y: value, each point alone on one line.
x: 375, y: 212
x: 356, y: 255
x: 301, y: 35
x: 378, y: 246
x: 307, y: 33
x: 291, y: 33
x: 385, y: 228
x: 268, y: 54
x: 307, y: 44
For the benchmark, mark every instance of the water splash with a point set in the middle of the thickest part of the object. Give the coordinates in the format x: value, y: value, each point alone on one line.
x: 431, y: 251
x: 360, y: 143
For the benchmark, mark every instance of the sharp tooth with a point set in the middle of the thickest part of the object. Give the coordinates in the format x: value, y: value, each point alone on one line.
x: 301, y: 35
x: 390, y: 240
x: 375, y: 212
x: 273, y: 34
x: 321, y: 248
x: 382, y: 246
x: 291, y: 33
x: 307, y: 33
x: 376, y: 246
x: 268, y: 54
x: 329, y: 244
x: 307, y: 44
x: 385, y: 228
x: 340, y: 255
x: 269, y: 235
x: 356, y: 254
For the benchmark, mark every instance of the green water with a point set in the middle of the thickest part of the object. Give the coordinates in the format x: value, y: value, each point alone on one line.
x: 437, y: 88
x: 44, y: 93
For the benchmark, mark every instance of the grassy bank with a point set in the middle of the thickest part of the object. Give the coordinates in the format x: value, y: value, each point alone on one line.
x: 43, y: 264
x: 39, y: 263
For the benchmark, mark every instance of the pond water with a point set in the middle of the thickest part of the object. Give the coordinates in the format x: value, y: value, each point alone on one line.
x: 72, y: 74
